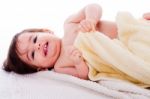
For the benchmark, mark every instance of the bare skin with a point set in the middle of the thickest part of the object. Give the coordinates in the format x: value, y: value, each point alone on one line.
x: 61, y: 53
x: 86, y: 20
x: 70, y: 60
x: 45, y: 50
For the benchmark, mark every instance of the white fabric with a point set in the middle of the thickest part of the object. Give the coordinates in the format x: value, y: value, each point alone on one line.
x: 51, y: 85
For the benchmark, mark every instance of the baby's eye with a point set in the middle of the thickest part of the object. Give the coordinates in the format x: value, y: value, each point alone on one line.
x: 32, y: 55
x: 35, y: 39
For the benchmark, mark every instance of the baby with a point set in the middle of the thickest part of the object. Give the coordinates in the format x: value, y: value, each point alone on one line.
x: 38, y: 49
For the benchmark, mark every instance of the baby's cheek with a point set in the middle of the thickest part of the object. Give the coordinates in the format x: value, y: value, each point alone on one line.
x: 39, y: 59
x: 44, y: 61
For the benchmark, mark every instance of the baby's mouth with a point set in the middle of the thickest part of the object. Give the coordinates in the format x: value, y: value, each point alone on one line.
x: 45, y: 48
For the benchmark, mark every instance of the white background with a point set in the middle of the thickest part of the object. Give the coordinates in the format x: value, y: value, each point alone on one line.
x: 16, y: 15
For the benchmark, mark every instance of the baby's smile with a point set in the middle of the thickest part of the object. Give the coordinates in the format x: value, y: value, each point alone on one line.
x: 45, y: 48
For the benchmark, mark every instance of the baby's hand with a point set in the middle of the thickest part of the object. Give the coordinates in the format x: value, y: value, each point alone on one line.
x: 87, y: 26
x: 76, y: 56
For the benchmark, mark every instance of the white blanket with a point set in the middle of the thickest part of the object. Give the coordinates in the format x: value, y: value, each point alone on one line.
x: 51, y: 85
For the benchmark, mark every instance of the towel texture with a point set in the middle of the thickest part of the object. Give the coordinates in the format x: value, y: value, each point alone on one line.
x: 126, y: 58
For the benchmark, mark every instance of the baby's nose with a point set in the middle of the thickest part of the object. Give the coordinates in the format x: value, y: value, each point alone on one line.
x: 37, y: 46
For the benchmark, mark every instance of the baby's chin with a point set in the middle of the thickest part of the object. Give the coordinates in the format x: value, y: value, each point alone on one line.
x: 52, y: 60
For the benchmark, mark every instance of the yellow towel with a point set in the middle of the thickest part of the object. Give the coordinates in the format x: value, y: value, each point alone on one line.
x: 127, y: 57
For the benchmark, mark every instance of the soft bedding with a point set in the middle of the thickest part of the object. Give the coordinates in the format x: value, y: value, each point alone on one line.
x: 43, y: 85
x: 52, y: 85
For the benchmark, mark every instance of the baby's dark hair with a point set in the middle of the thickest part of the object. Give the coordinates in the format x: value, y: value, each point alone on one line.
x: 13, y: 61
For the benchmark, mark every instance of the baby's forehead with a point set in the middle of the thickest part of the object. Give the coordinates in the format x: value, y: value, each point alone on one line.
x: 24, y: 36
x: 22, y: 42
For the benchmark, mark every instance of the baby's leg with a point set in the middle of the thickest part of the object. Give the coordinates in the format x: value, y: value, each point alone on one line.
x: 146, y: 16
x: 108, y: 28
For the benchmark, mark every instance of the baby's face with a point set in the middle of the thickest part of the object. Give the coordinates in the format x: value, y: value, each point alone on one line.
x: 38, y: 49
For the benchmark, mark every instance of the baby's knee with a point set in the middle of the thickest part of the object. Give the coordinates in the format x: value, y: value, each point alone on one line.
x: 108, y: 28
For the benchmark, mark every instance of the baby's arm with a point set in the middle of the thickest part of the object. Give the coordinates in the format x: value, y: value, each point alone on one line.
x: 91, y: 12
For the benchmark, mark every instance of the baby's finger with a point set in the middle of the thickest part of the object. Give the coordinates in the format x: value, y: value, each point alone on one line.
x: 86, y: 29
x: 81, y: 29
x: 77, y: 52
x: 93, y: 27
x: 88, y: 24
